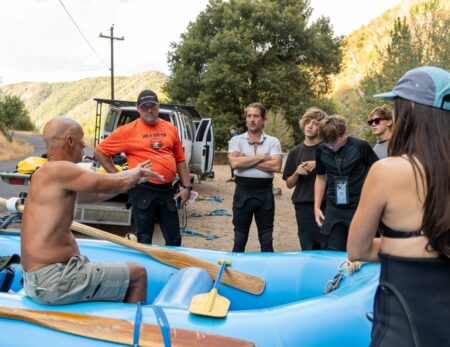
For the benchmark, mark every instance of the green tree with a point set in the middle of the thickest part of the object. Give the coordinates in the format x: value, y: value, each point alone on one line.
x: 276, y: 125
x: 241, y: 51
x: 13, y: 114
x: 417, y: 40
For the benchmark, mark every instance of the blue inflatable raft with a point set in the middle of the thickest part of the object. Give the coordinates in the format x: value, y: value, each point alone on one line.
x: 291, y: 311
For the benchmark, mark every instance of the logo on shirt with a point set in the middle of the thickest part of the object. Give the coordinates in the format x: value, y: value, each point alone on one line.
x: 156, y: 144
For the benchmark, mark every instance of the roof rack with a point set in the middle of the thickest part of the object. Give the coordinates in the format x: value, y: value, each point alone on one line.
x: 122, y: 103
x: 117, y: 103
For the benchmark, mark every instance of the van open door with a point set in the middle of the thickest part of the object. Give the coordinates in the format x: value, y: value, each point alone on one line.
x: 203, y: 150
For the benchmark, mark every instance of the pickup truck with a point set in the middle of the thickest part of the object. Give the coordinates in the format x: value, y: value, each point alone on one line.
x: 195, y: 132
x: 196, y: 135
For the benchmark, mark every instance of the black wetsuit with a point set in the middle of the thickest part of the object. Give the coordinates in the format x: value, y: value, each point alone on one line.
x: 253, y: 196
x: 412, y: 303
x: 149, y: 201
x: 351, y: 162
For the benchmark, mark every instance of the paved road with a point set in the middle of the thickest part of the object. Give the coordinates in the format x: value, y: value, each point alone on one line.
x: 8, y: 190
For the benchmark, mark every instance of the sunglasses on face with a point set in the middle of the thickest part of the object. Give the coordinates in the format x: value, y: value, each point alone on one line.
x: 252, y: 143
x: 375, y: 121
x: 258, y: 143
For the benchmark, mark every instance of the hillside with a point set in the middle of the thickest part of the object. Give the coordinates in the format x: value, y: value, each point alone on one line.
x: 361, y: 46
x: 75, y: 99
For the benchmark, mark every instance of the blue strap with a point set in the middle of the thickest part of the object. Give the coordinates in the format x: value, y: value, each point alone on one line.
x: 208, y: 237
x: 163, y: 324
x: 218, y: 212
x: 137, y: 325
x: 213, y: 199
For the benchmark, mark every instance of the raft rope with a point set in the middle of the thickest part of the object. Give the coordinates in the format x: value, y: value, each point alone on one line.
x: 346, y: 267
x: 163, y: 324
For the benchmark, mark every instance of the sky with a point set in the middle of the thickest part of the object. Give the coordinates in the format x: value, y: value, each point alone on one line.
x: 40, y: 43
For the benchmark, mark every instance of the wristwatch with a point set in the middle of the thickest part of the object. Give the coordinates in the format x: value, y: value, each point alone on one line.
x: 187, y: 187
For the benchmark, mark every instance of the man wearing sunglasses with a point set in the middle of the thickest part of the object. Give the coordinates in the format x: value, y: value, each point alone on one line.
x: 380, y: 119
x: 157, y: 140
x: 255, y: 157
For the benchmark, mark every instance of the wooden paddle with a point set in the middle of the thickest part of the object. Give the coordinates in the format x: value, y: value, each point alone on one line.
x: 233, y: 278
x: 211, y: 304
x: 117, y: 330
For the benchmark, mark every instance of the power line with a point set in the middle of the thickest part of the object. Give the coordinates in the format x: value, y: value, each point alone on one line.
x: 84, y: 37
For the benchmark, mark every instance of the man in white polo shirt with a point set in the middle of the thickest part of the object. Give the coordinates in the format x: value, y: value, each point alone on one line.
x: 255, y: 157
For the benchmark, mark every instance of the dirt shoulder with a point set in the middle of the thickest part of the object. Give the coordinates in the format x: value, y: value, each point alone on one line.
x: 15, y: 149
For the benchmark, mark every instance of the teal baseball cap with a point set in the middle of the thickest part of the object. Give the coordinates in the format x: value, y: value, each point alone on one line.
x: 427, y: 85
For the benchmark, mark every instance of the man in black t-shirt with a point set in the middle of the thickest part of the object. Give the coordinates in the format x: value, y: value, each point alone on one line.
x: 342, y: 163
x: 300, y: 172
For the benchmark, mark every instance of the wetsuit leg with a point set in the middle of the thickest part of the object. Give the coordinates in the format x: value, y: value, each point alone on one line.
x: 144, y: 221
x: 337, y: 240
x: 242, y: 219
x: 308, y: 230
x: 264, y: 222
x: 169, y: 222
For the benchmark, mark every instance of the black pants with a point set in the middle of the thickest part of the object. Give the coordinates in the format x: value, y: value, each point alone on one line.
x: 337, y: 240
x: 308, y: 231
x: 242, y: 219
x: 336, y: 226
x: 150, y: 205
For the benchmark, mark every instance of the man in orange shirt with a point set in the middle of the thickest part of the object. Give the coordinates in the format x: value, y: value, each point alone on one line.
x: 150, y: 137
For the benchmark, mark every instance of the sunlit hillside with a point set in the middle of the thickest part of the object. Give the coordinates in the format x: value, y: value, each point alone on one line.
x: 75, y: 99
x: 361, y: 46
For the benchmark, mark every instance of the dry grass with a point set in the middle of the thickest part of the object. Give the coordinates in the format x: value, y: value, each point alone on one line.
x: 14, y: 149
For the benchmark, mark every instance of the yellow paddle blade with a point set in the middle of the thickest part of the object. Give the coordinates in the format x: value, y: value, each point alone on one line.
x: 210, y: 304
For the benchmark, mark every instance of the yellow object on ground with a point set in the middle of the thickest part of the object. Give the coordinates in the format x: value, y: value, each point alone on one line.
x: 211, y: 304
x: 30, y: 164
x: 102, y: 169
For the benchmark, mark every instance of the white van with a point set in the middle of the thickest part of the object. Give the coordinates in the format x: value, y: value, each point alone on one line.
x: 195, y: 132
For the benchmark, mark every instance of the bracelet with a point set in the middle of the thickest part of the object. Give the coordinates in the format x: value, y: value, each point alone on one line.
x: 187, y: 187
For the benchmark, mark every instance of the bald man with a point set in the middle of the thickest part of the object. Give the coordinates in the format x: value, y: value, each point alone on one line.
x: 54, y: 271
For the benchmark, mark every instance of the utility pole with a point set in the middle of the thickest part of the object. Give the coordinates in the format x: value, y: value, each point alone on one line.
x: 112, y: 38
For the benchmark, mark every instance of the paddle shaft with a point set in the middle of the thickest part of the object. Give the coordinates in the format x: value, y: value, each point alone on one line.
x: 220, y: 273
x: 232, y: 278
x: 117, y: 330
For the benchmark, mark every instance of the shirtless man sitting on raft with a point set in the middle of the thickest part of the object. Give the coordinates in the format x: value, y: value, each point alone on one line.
x: 54, y: 271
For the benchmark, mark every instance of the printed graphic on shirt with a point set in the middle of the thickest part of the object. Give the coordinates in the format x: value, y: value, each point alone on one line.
x: 156, y: 144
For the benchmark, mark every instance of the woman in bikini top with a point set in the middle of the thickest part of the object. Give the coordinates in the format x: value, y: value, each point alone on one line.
x: 407, y: 198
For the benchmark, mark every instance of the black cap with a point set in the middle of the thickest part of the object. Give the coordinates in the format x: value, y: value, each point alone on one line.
x: 147, y: 97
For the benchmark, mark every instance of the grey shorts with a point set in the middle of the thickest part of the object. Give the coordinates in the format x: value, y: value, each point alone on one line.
x: 77, y: 280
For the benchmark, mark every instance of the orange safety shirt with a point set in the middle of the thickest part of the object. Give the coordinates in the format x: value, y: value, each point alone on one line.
x: 139, y: 141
